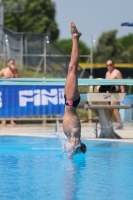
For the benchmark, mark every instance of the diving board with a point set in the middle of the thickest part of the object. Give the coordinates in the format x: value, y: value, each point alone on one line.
x: 61, y: 81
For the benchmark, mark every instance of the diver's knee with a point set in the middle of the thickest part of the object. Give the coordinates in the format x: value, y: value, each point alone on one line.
x: 71, y: 68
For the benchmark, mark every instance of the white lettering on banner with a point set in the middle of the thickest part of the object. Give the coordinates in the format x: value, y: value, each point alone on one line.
x: 61, y: 96
x: 0, y: 99
x: 37, y: 99
x: 41, y: 97
x: 25, y: 96
x: 49, y: 96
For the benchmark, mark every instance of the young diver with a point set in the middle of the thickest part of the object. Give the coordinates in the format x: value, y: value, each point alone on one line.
x: 71, y: 121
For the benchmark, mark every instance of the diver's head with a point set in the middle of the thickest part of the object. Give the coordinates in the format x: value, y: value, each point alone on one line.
x: 81, y: 148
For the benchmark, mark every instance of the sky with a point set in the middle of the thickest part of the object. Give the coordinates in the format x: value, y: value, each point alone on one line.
x: 93, y: 17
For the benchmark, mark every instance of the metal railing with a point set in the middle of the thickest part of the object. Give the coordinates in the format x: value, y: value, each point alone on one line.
x: 32, y: 52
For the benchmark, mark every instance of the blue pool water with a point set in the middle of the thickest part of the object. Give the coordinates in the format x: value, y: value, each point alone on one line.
x: 32, y: 168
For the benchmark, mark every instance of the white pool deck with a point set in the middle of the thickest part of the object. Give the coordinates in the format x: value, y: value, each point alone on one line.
x: 48, y: 130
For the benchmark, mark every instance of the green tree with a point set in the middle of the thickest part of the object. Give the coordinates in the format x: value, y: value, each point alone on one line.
x: 126, y: 41
x: 38, y: 17
x: 127, y: 56
x: 66, y: 46
x: 108, y: 47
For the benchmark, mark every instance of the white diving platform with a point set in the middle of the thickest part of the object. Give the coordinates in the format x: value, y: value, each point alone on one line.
x: 94, y: 100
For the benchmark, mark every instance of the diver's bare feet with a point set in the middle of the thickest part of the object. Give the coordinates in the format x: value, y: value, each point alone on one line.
x: 75, y: 33
x: 3, y: 122
x: 13, y: 123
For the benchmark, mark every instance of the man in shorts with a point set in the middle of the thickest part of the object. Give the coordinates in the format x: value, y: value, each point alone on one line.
x: 113, y: 73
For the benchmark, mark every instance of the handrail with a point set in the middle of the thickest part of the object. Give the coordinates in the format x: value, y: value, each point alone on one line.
x: 61, y: 82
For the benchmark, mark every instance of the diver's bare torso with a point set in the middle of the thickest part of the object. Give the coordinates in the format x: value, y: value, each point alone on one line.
x: 71, y: 123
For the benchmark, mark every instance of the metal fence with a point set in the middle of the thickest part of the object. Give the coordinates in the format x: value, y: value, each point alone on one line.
x: 31, y: 51
x: 35, y: 52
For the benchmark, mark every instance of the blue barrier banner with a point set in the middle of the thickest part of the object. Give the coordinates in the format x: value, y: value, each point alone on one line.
x: 16, y: 101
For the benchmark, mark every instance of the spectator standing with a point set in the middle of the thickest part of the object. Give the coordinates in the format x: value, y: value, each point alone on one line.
x: 113, y: 73
x: 9, y: 72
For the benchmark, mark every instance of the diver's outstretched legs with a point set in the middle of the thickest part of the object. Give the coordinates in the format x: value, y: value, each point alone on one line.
x: 71, y: 86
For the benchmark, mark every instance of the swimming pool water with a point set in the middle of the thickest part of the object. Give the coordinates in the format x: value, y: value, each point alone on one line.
x: 32, y: 168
